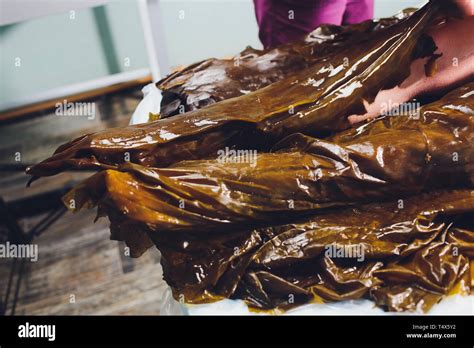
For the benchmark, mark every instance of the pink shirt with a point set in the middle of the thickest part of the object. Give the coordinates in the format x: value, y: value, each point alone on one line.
x: 281, y: 21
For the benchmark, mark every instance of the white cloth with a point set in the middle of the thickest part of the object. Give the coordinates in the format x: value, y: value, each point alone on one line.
x: 150, y: 103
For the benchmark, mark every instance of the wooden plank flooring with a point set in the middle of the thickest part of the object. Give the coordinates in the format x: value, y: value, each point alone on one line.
x: 79, y: 270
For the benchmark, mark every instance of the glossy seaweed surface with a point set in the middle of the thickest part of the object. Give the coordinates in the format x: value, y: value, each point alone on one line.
x: 214, y: 80
x: 271, y: 197
x: 383, y: 211
x: 315, y: 101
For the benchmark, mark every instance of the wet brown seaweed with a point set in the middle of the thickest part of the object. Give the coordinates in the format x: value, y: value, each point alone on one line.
x: 392, y: 157
x: 320, y: 213
x: 315, y: 101
x: 214, y: 80
x: 407, y: 249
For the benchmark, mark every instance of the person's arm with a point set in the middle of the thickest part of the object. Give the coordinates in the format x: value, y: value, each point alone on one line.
x: 455, y: 66
x: 466, y: 7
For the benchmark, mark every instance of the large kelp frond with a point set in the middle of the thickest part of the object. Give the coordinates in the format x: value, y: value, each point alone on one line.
x: 214, y: 80
x: 314, y: 101
x: 388, y: 158
x: 417, y: 247
x: 371, y: 251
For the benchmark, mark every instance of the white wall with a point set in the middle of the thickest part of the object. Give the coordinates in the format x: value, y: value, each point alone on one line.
x: 57, y: 50
x: 387, y: 8
x: 209, y: 28
x: 66, y: 48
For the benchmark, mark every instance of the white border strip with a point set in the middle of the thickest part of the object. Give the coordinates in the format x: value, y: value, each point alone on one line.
x: 76, y: 88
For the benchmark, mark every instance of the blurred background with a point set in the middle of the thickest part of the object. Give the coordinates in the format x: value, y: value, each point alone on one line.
x: 102, y: 52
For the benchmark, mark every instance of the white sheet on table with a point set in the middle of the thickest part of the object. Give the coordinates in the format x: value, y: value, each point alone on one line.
x: 150, y: 103
x: 452, y: 305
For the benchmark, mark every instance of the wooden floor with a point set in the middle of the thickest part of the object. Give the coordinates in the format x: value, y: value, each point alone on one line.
x: 79, y: 270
